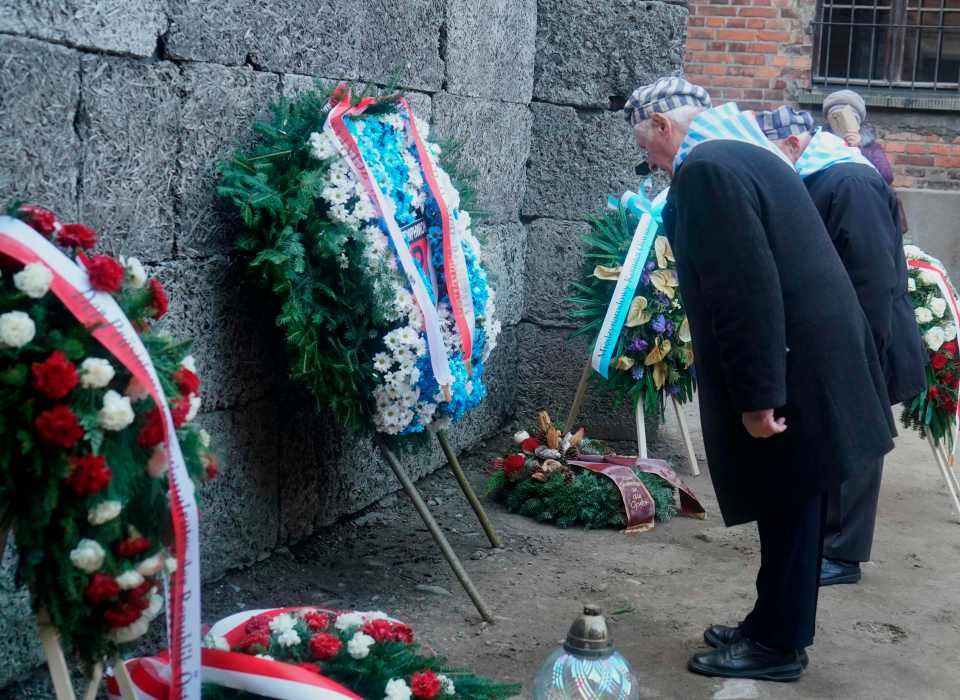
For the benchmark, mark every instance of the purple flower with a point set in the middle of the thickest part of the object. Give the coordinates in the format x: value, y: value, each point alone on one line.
x: 668, y: 331
x: 637, y: 372
x: 638, y: 345
x: 663, y: 299
x: 659, y: 324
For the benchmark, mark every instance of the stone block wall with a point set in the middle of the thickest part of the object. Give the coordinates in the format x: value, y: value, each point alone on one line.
x: 115, y: 113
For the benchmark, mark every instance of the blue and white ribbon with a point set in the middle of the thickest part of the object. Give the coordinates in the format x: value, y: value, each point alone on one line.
x: 826, y: 150
x: 724, y: 123
x: 649, y: 214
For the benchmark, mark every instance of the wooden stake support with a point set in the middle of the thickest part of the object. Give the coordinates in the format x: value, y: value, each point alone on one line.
x: 687, y: 441
x: 468, y: 489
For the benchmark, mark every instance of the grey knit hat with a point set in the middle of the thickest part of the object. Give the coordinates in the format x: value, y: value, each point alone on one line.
x: 845, y: 97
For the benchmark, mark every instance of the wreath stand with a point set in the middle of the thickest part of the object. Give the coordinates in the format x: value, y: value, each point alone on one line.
x: 945, y: 461
x: 581, y: 394
x: 438, y: 537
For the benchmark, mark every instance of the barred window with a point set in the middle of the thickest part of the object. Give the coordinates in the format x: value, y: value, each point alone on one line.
x: 908, y: 44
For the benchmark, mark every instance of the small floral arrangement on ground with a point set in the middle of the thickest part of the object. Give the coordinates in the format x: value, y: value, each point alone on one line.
x: 356, y: 334
x: 935, y: 410
x: 654, y: 353
x: 366, y: 652
x: 83, y: 478
x: 536, y: 480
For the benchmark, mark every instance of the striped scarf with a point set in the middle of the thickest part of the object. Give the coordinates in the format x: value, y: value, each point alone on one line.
x: 826, y: 150
x: 724, y: 123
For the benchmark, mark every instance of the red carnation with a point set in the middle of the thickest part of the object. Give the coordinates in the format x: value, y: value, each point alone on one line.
x: 530, y: 444
x: 179, y: 408
x: 56, y: 376
x: 211, y: 467
x: 403, y: 633
x: 948, y: 404
x: 121, y: 615
x: 513, y: 464
x: 325, y: 646
x: 255, y: 642
x: 133, y: 547
x: 380, y: 630
x: 425, y: 686
x: 939, y: 360
x: 139, y: 596
x: 88, y: 475
x: 950, y: 346
x: 316, y: 621
x: 188, y: 382
x: 106, y: 274
x: 43, y: 220
x: 258, y: 623
x: 933, y: 392
x: 158, y: 299
x: 58, y: 427
x: 949, y: 378
x: 101, y: 589
x: 77, y: 236
x: 151, y: 434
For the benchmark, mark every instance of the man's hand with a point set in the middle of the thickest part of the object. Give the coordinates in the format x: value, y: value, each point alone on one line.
x: 762, y: 424
x: 853, y: 139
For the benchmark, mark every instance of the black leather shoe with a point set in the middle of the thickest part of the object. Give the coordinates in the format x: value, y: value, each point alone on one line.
x: 834, y: 571
x: 719, y: 636
x: 747, y: 659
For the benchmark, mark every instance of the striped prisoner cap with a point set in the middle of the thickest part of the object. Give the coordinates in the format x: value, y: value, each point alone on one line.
x: 784, y: 121
x: 662, y: 96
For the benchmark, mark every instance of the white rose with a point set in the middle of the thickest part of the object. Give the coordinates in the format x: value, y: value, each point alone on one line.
x: 190, y: 363
x: 446, y: 684
x: 87, y: 556
x: 117, y: 413
x: 397, y: 689
x: 520, y: 436
x: 213, y: 642
x: 204, y: 437
x: 290, y: 638
x: 359, y: 646
x: 949, y: 331
x: 129, y: 579
x: 33, y: 280
x: 934, y: 338
x: 134, y: 273
x: 348, y: 620
x: 16, y: 329
x: 104, y: 512
x: 96, y: 373
x: 923, y: 314
x: 150, y: 566
x: 929, y: 278
x: 194, y: 407
x: 911, y: 284
x: 938, y: 306
x: 281, y: 623
x: 133, y: 631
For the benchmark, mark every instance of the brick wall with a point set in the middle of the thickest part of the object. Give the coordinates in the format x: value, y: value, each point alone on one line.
x: 759, y: 53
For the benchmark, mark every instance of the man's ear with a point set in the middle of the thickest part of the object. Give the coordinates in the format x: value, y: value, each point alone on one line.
x: 660, y: 123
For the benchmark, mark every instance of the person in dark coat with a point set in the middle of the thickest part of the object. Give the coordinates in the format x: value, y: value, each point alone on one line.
x: 861, y: 216
x: 791, y: 391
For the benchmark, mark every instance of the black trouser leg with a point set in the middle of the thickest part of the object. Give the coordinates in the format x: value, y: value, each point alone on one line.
x: 852, y: 517
x: 791, y: 542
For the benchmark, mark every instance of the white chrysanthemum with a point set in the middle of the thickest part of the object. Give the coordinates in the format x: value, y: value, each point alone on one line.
x: 16, y: 329
x: 382, y: 362
x: 348, y: 620
x: 290, y: 638
x: 87, y: 556
x: 204, y: 437
x: 929, y: 278
x: 938, y: 306
x: 923, y: 314
x: 934, y: 338
x: 216, y: 642
x: 359, y: 645
x: 949, y: 331
x: 104, y: 512
x: 322, y: 145
x: 117, y: 413
x: 364, y: 209
x: 33, y: 280
x: 133, y: 272
x: 911, y: 284
x: 282, y: 623
x: 96, y: 373
x: 446, y: 684
x: 129, y: 580
x: 151, y: 566
x: 336, y: 195
x: 195, y: 402
x: 397, y: 689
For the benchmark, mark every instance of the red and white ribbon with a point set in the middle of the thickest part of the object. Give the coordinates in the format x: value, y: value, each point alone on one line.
x: 105, y: 320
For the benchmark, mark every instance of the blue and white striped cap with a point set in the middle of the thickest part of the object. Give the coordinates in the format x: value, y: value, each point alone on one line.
x: 784, y: 121
x: 662, y: 96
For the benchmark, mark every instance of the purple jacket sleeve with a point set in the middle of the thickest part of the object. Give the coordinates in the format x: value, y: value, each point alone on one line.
x: 874, y: 153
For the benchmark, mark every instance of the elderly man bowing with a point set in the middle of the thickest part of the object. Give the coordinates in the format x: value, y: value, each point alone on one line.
x: 792, y: 397
x: 861, y: 214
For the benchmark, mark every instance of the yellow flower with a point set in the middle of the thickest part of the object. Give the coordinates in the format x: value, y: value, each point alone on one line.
x: 623, y: 362
x: 658, y: 352
x: 684, y: 333
x: 664, y: 252
x: 665, y: 281
x: 602, y: 272
x: 637, y: 315
x: 660, y: 374
x: 687, y: 357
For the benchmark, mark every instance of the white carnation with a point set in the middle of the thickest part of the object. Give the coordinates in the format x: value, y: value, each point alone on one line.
x: 359, y: 646
x: 290, y: 638
x: 929, y: 278
x: 215, y: 642
x: 189, y: 363
x: 96, y: 373
x: 104, y: 512
x: 151, y: 566
x: 949, y: 331
x: 282, y: 623
x: 911, y: 284
x: 934, y: 338
x: 923, y: 314
x: 16, y: 329
x: 397, y: 689
x: 33, y: 280
x: 87, y: 556
x: 446, y: 684
x: 348, y: 620
x: 204, y: 437
x: 133, y: 272
x: 129, y: 580
x: 124, y: 635
x: 938, y: 306
x: 194, y: 407
x: 117, y: 413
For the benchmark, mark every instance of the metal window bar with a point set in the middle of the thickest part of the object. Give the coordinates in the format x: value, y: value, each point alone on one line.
x: 898, y: 27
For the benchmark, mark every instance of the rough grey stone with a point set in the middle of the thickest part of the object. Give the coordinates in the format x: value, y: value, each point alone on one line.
x: 554, y: 259
x: 294, y: 85
x: 503, y: 255
x: 494, y: 140
x: 120, y: 26
x: 39, y: 93
x: 577, y: 159
x: 219, y: 109
x: 400, y: 43
x: 19, y: 645
x: 586, y: 56
x: 240, y: 513
x: 239, y: 351
x: 490, y: 48
x: 130, y: 134
x: 314, y: 37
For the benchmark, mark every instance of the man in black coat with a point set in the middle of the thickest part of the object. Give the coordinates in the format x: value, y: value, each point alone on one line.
x: 792, y: 397
x: 861, y: 214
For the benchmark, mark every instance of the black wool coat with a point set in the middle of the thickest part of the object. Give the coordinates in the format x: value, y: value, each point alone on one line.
x: 776, y: 324
x: 862, y: 217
